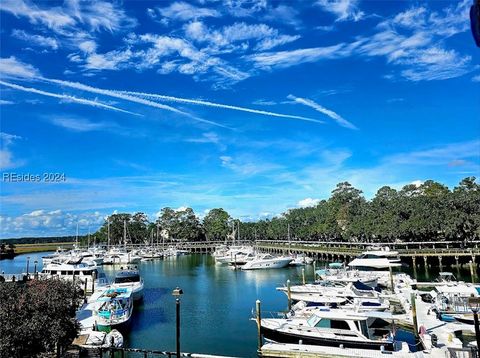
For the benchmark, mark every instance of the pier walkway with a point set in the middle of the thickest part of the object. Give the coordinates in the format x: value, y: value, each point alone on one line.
x: 448, y: 250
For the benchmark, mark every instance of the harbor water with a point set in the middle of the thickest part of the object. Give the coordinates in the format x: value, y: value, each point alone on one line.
x: 216, y: 306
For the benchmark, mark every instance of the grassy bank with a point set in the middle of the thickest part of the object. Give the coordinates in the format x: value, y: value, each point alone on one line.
x: 51, y: 246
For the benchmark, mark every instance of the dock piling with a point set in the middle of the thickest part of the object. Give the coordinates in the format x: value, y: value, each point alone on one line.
x: 391, y: 280
x: 289, y: 295
x: 314, y: 271
x: 303, y: 275
x: 414, y: 314
x: 472, y: 272
x: 259, y: 324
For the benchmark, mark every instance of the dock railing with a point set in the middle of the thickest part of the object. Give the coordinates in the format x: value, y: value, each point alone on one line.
x: 132, y: 353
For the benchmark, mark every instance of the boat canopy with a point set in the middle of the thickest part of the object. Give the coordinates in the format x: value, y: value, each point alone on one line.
x: 336, y: 265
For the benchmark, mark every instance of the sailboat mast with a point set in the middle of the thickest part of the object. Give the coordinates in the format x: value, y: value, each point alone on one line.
x: 125, y: 234
x: 108, y: 233
x: 76, y: 237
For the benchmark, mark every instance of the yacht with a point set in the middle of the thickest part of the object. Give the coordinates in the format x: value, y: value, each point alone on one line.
x: 325, y: 327
x: 121, y: 256
x: 336, y: 294
x: 113, y: 307
x: 56, y: 255
x: 267, y: 261
x: 70, y: 269
x: 379, y: 259
x: 337, y: 272
x: 301, y: 260
x: 234, y: 253
x: 130, y: 278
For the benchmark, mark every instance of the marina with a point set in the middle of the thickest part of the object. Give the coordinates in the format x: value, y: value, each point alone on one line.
x: 131, y: 306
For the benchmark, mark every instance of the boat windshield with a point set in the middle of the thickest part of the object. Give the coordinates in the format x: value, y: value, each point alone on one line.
x: 127, y: 279
x: 313, y: 320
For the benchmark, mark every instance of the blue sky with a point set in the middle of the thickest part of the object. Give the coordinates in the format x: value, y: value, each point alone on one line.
x: 253, y: 106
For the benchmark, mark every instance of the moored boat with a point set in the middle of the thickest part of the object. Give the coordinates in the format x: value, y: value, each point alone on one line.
x: 267, y: 261
x: 114, y: 307
x: 130, y: 278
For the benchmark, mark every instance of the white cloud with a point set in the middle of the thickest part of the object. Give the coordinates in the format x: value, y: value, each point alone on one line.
x: 442, y: 155
x: 66, y: 20
x: 49, y: 223
x: 417, y: 183
x: 36, y: 40
x: 244, y: 8
x: 343, y: 9
x: 183, y: 11
x: 78, y: 124
x: 6, y: 155
x: 284, y: 14
x: 413, y: 40
x: 262, y: 36
x: 309, y: 103
x: 10, y: 67
x: 88, y: 46
x: 4, y: 102
x: 476, y: 78
x: 307, y: 202
x: 283, y: 59
x: 435, y: 64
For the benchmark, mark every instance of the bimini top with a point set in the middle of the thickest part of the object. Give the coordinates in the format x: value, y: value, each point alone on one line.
x: 335, y: 265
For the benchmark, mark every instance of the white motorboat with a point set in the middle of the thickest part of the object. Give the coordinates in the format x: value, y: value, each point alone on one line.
x: 71, y: 269
x: 337, y: 272
x: 337, y: 294
x: 60, y: 252
x: 130, y: 278
x: 113, y: 307
x: 301, y: 260
x: 267, y: 261
x: 121, y: 256
x: 334, y: 328
x: 235, y: 253
x: 380, y: 259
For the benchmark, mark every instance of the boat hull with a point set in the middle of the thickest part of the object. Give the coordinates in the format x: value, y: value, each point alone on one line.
x: 284, y: 337
x: 267, y: 264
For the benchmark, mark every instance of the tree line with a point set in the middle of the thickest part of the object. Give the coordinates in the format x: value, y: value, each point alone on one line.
x: 426, y: 212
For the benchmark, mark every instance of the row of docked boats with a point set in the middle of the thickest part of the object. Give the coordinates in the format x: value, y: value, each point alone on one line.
x: 246, y: 258
x: 348, y: 312
x: 97, y: 256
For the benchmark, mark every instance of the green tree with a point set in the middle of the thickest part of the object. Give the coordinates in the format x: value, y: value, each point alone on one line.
x: 217, y: 224
x: 37, y: 317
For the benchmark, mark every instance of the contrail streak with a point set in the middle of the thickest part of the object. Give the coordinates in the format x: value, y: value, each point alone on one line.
x: 217, y: 105
x: 309, y: 103
x: 127, y: 97
x: 66, y: 97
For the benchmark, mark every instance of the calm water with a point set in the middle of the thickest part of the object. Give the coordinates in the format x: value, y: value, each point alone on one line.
x: 216, y: 305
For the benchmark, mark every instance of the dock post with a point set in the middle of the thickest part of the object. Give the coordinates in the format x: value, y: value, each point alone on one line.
x: 391, y: 279
x: 414, y: 314
x: 85, y: 290
x: 440, y: 262
x: 414, y: 263
x: 259, y: 324
x: 314, y: 271
x: 289, y: 295
x: 472, y: 272
x: 425, y: 261
x: 303, y: 275
x: 93, y: 281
